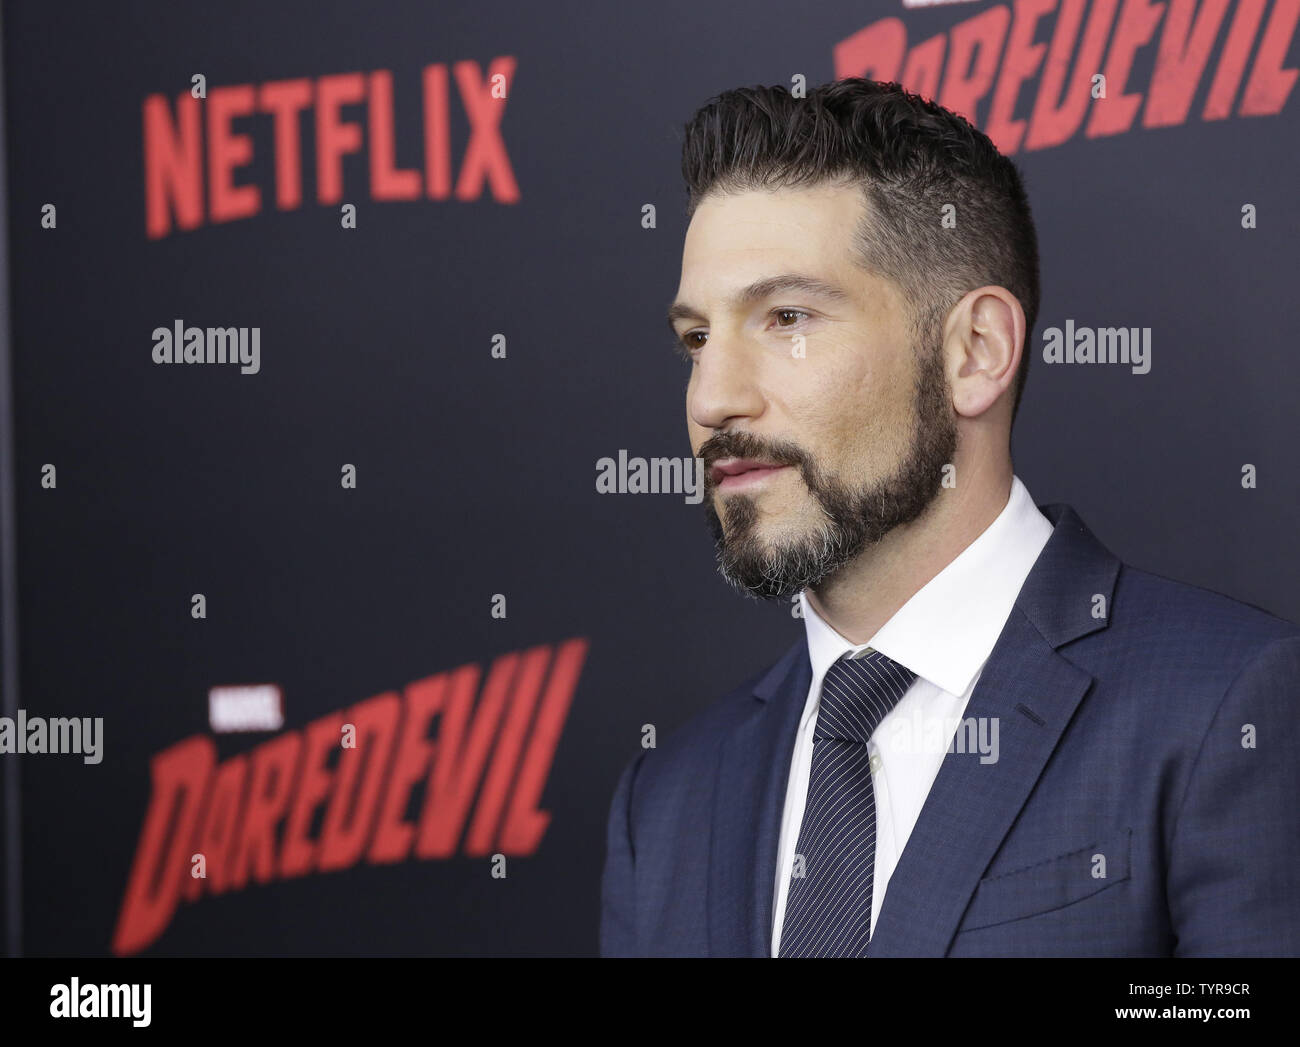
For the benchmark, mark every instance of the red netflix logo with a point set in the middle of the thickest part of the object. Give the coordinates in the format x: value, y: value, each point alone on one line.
x: 178, y: 140
x: 250, y: 816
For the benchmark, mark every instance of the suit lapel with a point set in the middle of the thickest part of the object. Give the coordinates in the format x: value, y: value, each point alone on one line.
x: 1033, y: 692
x: 748, y: 798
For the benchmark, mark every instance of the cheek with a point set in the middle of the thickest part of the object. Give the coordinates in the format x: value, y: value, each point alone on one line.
x: 829, y: 398
x: 853, y: 417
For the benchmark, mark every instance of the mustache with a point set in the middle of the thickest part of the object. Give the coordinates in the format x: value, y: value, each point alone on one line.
x: 747, y: 445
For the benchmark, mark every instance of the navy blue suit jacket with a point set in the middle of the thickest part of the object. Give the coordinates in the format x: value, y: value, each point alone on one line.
x: 1159, y: 733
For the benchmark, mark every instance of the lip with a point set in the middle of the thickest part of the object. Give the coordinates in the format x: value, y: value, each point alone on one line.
x: 730, y: 474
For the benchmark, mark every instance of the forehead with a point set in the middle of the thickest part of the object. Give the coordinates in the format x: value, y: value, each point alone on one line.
x: 810, y: 228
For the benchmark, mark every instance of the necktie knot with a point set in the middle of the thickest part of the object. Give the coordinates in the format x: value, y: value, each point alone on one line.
x: 857, y: 694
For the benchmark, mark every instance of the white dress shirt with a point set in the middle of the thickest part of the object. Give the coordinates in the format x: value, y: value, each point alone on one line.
x: 944, y: 633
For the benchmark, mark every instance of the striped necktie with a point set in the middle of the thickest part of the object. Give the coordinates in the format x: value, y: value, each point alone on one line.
x: 828, y: 907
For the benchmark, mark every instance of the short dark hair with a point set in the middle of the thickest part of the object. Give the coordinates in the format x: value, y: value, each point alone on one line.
x: 912, y: 158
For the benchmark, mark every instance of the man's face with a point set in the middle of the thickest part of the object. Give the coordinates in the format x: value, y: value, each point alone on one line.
x: 815, y: 378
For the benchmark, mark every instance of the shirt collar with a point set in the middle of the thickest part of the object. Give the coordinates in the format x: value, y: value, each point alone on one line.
x: 949, y: 627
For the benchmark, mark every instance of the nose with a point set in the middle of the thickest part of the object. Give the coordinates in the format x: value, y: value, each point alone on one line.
x: 724, y: 383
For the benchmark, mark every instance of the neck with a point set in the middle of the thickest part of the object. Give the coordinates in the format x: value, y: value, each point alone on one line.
x: 866, y: 593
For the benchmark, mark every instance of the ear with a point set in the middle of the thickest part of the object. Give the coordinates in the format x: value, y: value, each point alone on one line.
x: 982, y: 347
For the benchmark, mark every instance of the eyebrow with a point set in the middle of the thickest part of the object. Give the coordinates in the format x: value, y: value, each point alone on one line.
x: 765, y: 288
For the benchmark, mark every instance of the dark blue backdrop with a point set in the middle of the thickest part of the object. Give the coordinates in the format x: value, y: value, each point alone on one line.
x: 475, y: 474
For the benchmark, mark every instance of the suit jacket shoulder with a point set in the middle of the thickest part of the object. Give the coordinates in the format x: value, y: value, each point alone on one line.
x: 672, y: 770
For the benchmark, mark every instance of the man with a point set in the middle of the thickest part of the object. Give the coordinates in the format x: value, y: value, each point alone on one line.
x: 1116, y: 767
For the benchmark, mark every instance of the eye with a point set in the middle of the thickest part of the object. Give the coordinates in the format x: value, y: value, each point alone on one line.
x: 781, y: 313
x: 687, y: 344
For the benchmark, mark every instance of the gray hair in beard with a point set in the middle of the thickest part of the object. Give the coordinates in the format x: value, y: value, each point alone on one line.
x: 852, y: 518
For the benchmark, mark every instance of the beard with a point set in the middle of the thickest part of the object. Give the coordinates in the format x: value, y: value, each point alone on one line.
x: 852, y: 517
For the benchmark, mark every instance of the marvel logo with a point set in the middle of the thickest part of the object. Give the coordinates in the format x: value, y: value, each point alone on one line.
x: 249, y: 707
